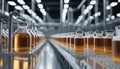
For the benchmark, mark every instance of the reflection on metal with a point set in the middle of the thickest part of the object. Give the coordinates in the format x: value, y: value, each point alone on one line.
x: 70, y: 59
x: 48, y: 59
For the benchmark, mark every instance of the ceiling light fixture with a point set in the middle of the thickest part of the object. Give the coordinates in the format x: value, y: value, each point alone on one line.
x: 90, y: 7
x: 7, y: 13
x: 66, y: 1
x: 38, y: 1
x: 40, y: 6
x: 108, y: 7
x: 107, y: 19
x: 12, y: 3
x: 26, y: 7
x: 118, y: 15
x: 29, y: 11
x: 91, y: 17
x: 113, y: 4
x: 118, y: 0
x: 86, y: 11
x: 93, y: 2
x: 18, y: 8
x: 21, y: 2
x: 64, y: 13
x: 43, y: 12
x: 66, y: 6
x: 112, y: 17
x: 79, y: 19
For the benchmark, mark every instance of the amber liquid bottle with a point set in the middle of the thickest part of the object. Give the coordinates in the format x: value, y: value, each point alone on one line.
x: 30, y: 30
x: 90, y: 40
x: 69, y: 41
x: 116, y: 46
x: 99, y: 43
x: 72, y: 46
x: 21, y: 43
x: 72, y: 42
x: 4, y: 38
x: 108, y: 43
x: 86, y: 42
x: 22, y: 39
x: 91, y: 43
x: 79, y: 43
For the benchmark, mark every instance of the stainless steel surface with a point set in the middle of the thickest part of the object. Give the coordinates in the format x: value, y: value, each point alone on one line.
x: 61, y: 10
x: 48, y: 59
x: 71, y: 60
x: 81, y: 4
x: 96, y: 10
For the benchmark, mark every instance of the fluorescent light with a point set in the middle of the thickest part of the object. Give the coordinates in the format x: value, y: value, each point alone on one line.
x: 79, y: 19
x: 86, y: 11
x: 65, y: 10
x: 43, y: 12
x: 39, y: 19
x: 12, y: 3
x: 93, y: 2
x: 38, y: 1
x: 118, y: 15
x: 86, y: 22
x: 97, y: 14
x: 91, y: 17
x: 108, y: 7
x: 21, y: 2
x: 29, y: 11
x: 107, y: 19
x: 40, y: 6
x: 26, y: 7
x: 66, y: 1
x: 113, y: 4
x: 90, y: 7
x: 112, y: 17
x: 64, y: 13
x: 33, y: 14
x: 7, y: 13
x: 18, y: 8
x: 118, y: 0
x: 66, y: 6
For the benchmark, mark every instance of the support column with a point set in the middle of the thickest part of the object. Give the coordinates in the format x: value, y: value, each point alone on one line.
x: 61, y: 10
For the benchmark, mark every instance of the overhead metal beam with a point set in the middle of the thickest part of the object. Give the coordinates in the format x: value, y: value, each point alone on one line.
x: 61, y: 10
x: 81, y: 4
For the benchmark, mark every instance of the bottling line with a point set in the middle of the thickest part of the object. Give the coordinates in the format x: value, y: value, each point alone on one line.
x: 59, y: 34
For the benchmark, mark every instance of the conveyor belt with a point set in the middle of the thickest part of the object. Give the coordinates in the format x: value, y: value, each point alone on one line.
x: 48, y: 59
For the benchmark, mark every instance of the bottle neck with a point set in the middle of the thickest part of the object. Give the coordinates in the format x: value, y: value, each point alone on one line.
x: 80, y: 35
x: 99, y: 34
x: 109, y: 35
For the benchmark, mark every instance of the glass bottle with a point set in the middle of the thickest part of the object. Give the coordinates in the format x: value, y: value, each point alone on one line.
x: 116, y: 45
x: 22, y: 39
x: 86, y: 35
x: 29, y: 28
x: 108, y: 42
x: 4, y: 37
x: 90, y: 40
x: 99, y: 43
x: 79, y: 43
x: 64, y: 40
x: 69, y: 40
x: 37, y: 36
x: 72, y: 45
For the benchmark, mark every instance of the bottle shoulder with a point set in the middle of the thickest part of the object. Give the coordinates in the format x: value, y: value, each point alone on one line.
x: 115, y: 38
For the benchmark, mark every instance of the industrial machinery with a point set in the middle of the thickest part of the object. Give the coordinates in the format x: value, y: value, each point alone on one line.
x: 59, y: 34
